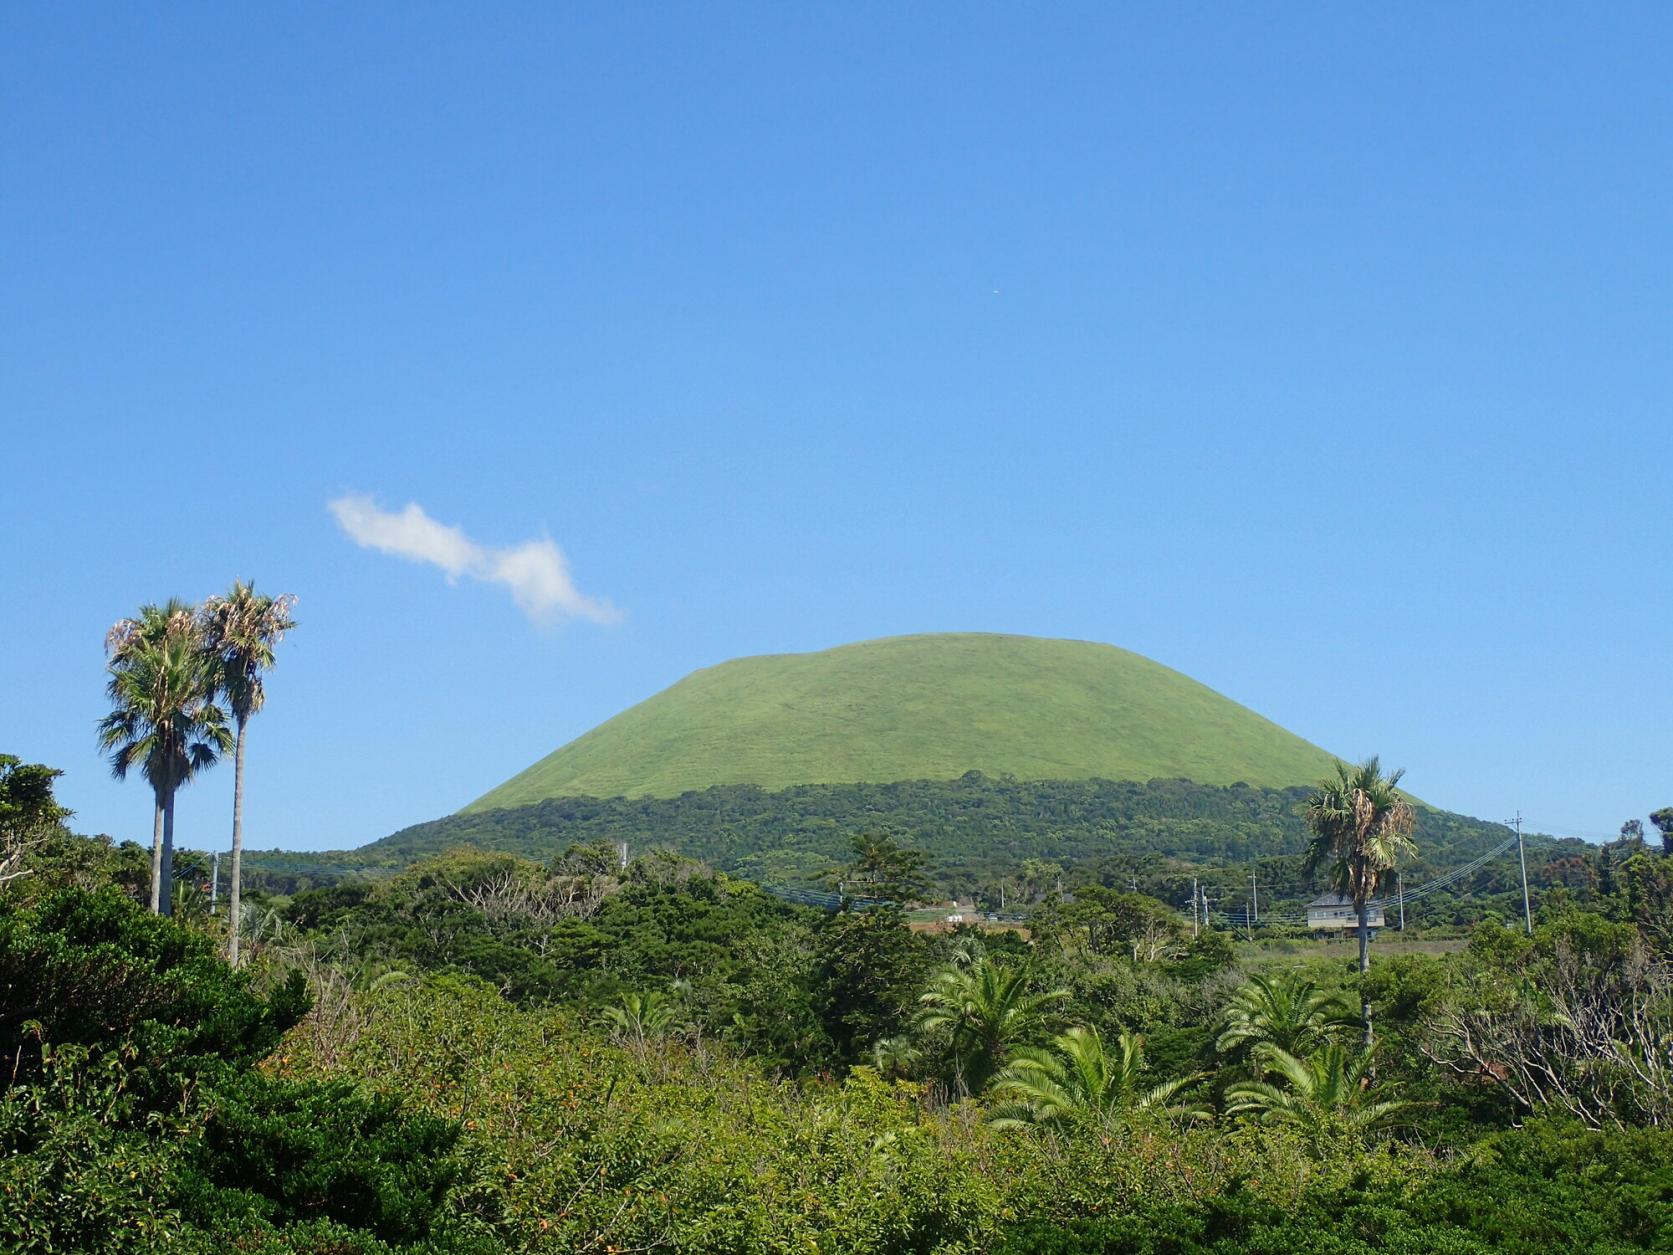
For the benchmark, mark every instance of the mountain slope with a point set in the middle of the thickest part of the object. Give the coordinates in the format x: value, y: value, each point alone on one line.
x: 922, y: 708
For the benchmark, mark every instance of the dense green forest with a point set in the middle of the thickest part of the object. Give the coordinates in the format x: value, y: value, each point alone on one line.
x: 484, y: 1052
x: 980, y: 833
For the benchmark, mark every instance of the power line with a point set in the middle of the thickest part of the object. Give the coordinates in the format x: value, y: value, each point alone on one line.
x: 1453, y: 876
x: 1416, y: 893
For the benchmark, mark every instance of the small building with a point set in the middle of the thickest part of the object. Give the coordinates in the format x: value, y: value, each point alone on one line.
x: 1334, y: 912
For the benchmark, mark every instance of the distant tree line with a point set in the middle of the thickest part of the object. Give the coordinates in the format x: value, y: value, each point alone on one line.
x: 996, y: 841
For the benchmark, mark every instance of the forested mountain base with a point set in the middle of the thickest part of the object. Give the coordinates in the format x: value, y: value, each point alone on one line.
x: 978, y: 832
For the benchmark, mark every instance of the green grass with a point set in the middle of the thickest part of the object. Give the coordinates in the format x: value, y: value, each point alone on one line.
x: 922, y: 708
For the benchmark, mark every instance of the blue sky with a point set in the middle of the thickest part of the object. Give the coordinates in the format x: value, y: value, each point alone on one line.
x: 1320, y: 352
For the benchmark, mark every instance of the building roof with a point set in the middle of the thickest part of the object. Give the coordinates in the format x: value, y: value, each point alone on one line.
x: 1331, y: 899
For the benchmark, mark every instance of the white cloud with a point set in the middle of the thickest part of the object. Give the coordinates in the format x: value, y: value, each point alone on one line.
x: 536, y: 571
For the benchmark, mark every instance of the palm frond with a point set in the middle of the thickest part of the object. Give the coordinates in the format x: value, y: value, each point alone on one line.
x: 1081, y: 1076
x: 1328, y: 1092
x: 241, y: 631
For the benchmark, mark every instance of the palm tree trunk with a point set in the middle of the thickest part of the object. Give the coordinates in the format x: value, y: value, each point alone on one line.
x: 1364, y: 965
x: 166, y: 863
x: 157, y: 857
x: 234, y: 898
x: 1364, y: 937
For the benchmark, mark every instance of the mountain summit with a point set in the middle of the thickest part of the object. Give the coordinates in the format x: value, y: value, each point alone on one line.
x: 922, y: 708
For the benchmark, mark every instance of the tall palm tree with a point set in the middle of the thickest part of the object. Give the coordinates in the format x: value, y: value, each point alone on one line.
x: 1289, y: 1011
x: 986, y: 1008
x: 149, y: 628
x: 1329, y: 1093
x: 1082, y: 1077
x: 1362, y: 828
x: 241, y: 631
x: 163, y: 721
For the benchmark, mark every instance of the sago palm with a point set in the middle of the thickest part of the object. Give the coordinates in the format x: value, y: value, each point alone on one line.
x: 638, y: 1018
x: 1362, y: 828
x: 163, y: 724
x: 1289, y: 1011
x: 1080, y: 1076
x: 895, y: 1056
x: 241, y: 631
x: 986, y: 1009
x: 1330, y: 1093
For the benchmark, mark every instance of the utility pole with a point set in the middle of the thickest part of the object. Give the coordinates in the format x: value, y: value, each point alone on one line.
x: 621, y: 854
x: 1254, y: 902
x: 1522, y: 857
x: 1193, y: 906
x: 1400, y: 892
x: 214, y: 880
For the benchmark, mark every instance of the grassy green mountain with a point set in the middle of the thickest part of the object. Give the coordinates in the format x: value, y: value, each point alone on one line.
x: 922, y: 708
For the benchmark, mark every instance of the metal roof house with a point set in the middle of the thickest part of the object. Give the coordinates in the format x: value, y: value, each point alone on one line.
x: 1334, y: 912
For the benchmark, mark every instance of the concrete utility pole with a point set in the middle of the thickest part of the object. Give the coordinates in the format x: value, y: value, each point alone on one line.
x: 214, y: 880
x: 621, y: 853
x: 1193, y: 906
x: 1400, y: 892
x: 1254, y: 902
x: 1522, y: 857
